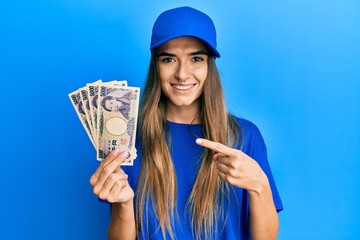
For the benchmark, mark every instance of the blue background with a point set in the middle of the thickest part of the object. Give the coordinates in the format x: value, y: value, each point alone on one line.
x: 291, y: 67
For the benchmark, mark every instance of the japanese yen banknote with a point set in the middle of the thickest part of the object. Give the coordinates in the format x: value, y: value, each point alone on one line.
x: 108, y: 112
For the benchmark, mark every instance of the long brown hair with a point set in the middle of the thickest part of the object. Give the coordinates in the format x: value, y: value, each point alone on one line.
x: 157, y: 181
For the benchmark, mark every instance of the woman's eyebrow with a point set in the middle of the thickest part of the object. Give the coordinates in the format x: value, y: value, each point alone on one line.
x: 200, y: 52
x: 166, y: 54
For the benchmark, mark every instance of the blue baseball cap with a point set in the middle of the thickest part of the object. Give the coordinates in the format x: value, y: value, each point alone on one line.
x: 181, y: 22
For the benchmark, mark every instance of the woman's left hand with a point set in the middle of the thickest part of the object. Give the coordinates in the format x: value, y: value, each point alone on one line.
x: 240, y: 170
x: 235, y: 167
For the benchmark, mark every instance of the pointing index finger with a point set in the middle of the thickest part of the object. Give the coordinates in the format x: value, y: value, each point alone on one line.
x: 215, y: 146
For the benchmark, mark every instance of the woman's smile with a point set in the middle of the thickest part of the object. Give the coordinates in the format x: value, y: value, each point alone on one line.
x: 182, y: 87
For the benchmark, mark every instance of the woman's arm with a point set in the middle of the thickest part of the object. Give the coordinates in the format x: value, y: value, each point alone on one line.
x: 122, y: 222
x: 240, y: 170
x: 264, y: 220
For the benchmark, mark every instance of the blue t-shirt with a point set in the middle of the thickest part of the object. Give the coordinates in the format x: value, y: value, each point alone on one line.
x: 185, y: 154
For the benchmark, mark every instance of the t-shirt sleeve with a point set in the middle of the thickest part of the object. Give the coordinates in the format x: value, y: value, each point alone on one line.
x: 256, y: 148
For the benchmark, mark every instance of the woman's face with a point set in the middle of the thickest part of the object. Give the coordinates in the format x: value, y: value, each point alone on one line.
x: 113, y: 104
x: 183, y: 68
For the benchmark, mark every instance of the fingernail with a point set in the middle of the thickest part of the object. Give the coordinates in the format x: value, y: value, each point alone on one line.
x: 124, y: 154
x: 199, y: 141
x: 116, y: 151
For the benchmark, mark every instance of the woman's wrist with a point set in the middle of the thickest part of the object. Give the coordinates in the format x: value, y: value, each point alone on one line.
x: 261, y: 186
x: 121, y: 209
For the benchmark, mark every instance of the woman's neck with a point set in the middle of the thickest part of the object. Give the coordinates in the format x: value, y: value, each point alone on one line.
x: 183, y: 114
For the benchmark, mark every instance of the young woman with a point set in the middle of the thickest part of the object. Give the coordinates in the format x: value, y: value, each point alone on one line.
x: 201, y: 173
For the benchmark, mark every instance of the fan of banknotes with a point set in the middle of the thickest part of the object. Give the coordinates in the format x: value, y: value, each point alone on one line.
x: 108, y: 112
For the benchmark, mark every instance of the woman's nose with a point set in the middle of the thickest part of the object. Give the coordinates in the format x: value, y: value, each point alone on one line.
x: 183, y: 72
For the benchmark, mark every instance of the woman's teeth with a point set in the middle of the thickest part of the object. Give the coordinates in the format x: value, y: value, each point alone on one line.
x: 182, y: 87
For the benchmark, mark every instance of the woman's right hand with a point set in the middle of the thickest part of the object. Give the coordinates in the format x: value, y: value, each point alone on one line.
x: 110, y: 182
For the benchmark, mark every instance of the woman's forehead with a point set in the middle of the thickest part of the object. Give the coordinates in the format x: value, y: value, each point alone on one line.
x: 183, y: 43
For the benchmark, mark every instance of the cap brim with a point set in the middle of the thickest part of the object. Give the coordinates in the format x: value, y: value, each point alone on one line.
x: 214, y: 51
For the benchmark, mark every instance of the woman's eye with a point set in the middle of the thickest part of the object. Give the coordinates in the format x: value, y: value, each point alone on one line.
x: 197, y: 59
x: 167, y: 60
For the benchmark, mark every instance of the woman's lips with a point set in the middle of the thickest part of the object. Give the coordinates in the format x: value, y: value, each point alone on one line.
x: 182, y: 87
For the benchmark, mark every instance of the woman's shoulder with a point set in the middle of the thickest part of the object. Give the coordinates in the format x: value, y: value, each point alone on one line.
x: 252, y: 139
x: 247, y: 126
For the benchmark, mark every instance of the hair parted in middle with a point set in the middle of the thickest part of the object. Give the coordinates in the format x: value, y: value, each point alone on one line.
x: 157, y: 182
